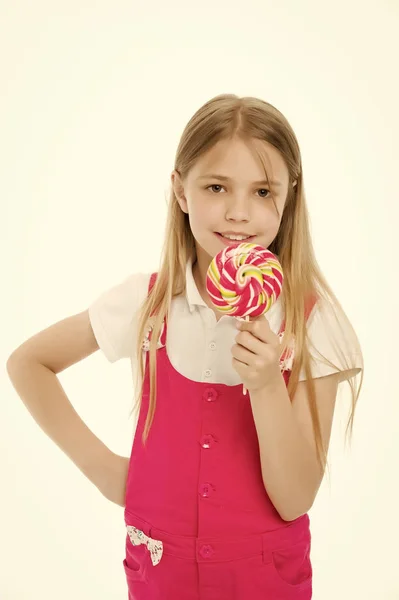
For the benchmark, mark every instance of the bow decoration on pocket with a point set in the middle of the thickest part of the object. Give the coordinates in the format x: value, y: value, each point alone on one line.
x: 155, y: 547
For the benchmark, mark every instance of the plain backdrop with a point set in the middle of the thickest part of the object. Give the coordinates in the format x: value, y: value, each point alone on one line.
x: 94, y: 98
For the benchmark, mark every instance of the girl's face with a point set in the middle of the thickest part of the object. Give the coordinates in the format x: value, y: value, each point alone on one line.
x: 239, y: 203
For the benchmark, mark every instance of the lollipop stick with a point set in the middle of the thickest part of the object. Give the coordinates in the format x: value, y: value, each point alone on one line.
x: 244, y: 390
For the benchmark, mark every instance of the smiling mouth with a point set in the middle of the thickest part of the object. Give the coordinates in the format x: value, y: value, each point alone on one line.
x: 227, y: 239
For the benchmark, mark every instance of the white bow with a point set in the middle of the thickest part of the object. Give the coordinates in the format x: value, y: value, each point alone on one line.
x: 155, y: 547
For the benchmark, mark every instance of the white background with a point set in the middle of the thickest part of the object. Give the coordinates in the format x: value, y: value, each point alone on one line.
x: 94, y: 98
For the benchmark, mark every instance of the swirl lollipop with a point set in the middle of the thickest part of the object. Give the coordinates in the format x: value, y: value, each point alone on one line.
x: 244, y: 280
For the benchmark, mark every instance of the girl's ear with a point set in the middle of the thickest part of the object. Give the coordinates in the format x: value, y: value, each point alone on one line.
x: 178, y: 189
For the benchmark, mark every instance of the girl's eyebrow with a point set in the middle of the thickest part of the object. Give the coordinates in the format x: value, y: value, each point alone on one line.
x: 224, y: 178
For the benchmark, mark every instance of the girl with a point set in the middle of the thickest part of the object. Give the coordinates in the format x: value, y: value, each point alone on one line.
x: 218, y: 486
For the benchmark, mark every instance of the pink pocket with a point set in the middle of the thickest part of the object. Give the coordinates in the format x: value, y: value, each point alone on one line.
x: 136, y: 561
x: 293, y: 566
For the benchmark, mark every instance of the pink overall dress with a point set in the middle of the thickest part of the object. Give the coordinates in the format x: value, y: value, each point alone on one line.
x: 200, y: 525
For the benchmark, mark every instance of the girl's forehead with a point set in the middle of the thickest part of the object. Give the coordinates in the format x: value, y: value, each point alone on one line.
x: 236, y: 158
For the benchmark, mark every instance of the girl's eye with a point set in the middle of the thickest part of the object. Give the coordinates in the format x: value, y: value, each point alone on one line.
x: 264, y: 190
x: 215, y: 185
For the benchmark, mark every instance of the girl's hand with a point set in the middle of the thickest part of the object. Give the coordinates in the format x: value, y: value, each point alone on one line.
x: 112, y: 480
x: 256, y: 355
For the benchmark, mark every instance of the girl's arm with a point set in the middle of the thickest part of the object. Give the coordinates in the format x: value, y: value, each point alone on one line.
x: 33, y: 369
x: 290, y: 471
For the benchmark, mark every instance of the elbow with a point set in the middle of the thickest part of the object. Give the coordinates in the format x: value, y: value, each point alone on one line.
x: 13, y: 365
x: 305, y: 498
x: 10, y: 365
x: 295, y: 512
x: 292, y: 516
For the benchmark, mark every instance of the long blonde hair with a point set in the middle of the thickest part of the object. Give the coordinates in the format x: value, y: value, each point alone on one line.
x: 224, y: 117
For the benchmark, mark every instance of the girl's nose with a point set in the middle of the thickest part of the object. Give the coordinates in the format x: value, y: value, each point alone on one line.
x: 238, y: 209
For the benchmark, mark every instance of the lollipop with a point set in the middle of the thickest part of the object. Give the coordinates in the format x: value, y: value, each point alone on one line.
x: 244, y: 280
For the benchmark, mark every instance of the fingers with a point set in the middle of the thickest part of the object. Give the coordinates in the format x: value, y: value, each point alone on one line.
x: 260, y: 329
x: 249, y: 344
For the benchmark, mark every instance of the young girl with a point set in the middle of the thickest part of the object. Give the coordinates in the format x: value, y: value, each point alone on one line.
x: 218, y: 487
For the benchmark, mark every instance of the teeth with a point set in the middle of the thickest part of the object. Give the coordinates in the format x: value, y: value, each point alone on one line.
x: 236, y: 237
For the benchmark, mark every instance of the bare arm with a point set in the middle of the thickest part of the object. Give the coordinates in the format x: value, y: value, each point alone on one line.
x: 290, y: 470
x: 33, y: 369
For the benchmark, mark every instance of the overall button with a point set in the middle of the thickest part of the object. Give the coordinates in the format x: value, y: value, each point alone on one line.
x: 207, y: 373
x: 207, y: 441
x: 206, y: 551
x: 212, y: 346
x: 210, y: 395
x: 205, y: 490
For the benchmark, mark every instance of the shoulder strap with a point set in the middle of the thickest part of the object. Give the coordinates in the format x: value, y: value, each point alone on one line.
x: 152, y: 281
x: 309, y: 305
x: 162, y: 336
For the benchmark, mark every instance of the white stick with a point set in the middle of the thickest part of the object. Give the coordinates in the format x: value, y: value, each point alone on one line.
x: 244, y: 391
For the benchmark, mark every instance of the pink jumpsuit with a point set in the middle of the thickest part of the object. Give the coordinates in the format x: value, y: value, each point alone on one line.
x: 197, y: 488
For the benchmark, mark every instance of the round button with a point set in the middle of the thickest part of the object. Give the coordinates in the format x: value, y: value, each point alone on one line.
x: 206, y: 441
x: 208, y: 373
x: 205, y: 490
x: 206, y: 551
x: 210, y: 395
x: 212, y: 346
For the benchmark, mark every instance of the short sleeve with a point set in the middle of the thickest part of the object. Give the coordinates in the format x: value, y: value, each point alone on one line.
x: 114, y: 316
x: 333, y: 343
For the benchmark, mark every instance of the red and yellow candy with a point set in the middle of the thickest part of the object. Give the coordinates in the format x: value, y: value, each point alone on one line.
x: 244, y: 280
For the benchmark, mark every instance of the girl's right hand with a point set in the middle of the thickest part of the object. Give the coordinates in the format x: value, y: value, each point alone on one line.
x: 112, y: 481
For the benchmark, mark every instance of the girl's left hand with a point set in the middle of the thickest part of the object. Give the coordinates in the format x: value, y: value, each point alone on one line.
x: 256, y: 355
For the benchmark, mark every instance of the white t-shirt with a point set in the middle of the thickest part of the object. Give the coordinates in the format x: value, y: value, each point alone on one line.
x: 199, y: 346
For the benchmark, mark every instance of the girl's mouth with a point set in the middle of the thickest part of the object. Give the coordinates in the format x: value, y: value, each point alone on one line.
x: 229, y: 242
